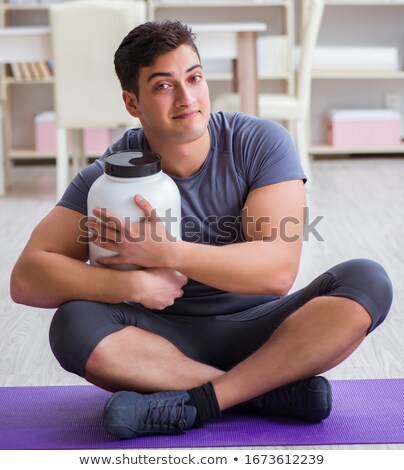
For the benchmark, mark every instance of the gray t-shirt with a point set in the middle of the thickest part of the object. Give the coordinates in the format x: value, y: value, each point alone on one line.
x: 246, y: 153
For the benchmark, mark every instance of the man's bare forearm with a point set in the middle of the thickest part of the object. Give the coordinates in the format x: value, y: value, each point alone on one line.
x: 267, y: 263
x: 256, y: 267
x: 45, y: 279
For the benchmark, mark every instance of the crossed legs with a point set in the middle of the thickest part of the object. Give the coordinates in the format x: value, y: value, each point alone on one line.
x: 283, y: 342
x: 315, y: 338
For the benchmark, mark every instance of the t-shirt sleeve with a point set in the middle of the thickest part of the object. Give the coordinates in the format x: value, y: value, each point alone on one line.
x: 268, y: 154
x: 75, y: 196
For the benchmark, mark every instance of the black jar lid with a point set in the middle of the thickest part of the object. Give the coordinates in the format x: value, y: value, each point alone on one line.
x: 132, y: 164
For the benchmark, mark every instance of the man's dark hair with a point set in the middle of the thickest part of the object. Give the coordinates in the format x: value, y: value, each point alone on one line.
x: 144, y: 44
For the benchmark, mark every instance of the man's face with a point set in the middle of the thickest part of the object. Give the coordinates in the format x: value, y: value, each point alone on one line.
x: 173, y: 103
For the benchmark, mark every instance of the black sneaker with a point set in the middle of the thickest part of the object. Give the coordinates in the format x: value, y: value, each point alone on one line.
x: 131, y: 414
x: 309, y: 399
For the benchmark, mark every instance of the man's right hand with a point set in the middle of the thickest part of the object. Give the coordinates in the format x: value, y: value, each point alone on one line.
x: 157, y: 288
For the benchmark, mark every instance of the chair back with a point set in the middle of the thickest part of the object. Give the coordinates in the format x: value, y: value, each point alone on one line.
x: 312, y: 14
x: 85, y: 36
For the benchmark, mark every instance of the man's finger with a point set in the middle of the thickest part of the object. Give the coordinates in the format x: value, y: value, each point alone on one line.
x: 147, y: 208
x: 111, y: 220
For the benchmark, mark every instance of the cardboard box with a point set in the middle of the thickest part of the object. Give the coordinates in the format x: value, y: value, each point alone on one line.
x: 363, y: 128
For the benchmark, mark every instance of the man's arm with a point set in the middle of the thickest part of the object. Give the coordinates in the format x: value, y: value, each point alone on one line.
x: 267, y: 263
x: 52, y: 269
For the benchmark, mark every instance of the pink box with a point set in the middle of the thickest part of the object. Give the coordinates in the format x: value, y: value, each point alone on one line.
x: 45, y: 132
x: 96, y: 141
x: 363, y: 128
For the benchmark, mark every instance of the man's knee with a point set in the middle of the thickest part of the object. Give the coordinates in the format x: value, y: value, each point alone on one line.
x: 368, y: 283
x: 64, y: 335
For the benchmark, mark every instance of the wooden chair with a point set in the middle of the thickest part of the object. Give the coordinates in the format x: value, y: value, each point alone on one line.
x: 84, y: 37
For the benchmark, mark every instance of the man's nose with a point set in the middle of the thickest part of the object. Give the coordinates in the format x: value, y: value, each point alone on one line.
x: 184, y: 96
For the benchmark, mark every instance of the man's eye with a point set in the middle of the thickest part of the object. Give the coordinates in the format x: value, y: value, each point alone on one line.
x: 196, y: 78
x: 162, y: 86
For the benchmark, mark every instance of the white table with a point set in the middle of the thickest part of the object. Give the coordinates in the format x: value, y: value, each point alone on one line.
x: 20, y: 44
x: 234, y: 41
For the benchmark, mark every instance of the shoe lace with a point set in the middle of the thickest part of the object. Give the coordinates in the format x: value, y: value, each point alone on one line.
x: 163, y: 415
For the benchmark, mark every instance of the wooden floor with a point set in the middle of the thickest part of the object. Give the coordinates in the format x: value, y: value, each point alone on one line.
x: 362, y: 205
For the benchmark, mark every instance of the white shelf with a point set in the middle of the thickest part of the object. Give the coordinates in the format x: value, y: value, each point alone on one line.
x: 317, y: 149
x: 219, y: 3
x: 22, y: 154
x: 229, y: 76
x: 25, y: 6
x: 24, y: 31
x: 321, y: 149
x: 383, y: 76
x: 361, y: 74
x: 27, y: 154
x: 34, y: 81
x: 364, y: 2
x: 232, y: 27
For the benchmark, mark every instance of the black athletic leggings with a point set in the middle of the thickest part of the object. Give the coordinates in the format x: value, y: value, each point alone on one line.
x: 219, y: 340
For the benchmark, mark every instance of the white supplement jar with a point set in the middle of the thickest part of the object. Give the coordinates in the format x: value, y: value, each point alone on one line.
x: 126, y: 174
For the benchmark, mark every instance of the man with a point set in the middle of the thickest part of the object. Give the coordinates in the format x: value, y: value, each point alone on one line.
x: 180, y: 349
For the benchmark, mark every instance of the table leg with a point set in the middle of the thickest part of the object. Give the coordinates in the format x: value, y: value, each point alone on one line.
x: 2, y: 157
x: 247, y: 72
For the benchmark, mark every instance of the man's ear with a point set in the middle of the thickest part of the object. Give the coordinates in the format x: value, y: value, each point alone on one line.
x: 131, y: 103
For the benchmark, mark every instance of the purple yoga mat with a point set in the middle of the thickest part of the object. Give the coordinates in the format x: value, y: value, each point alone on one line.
x: 69, y: 417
